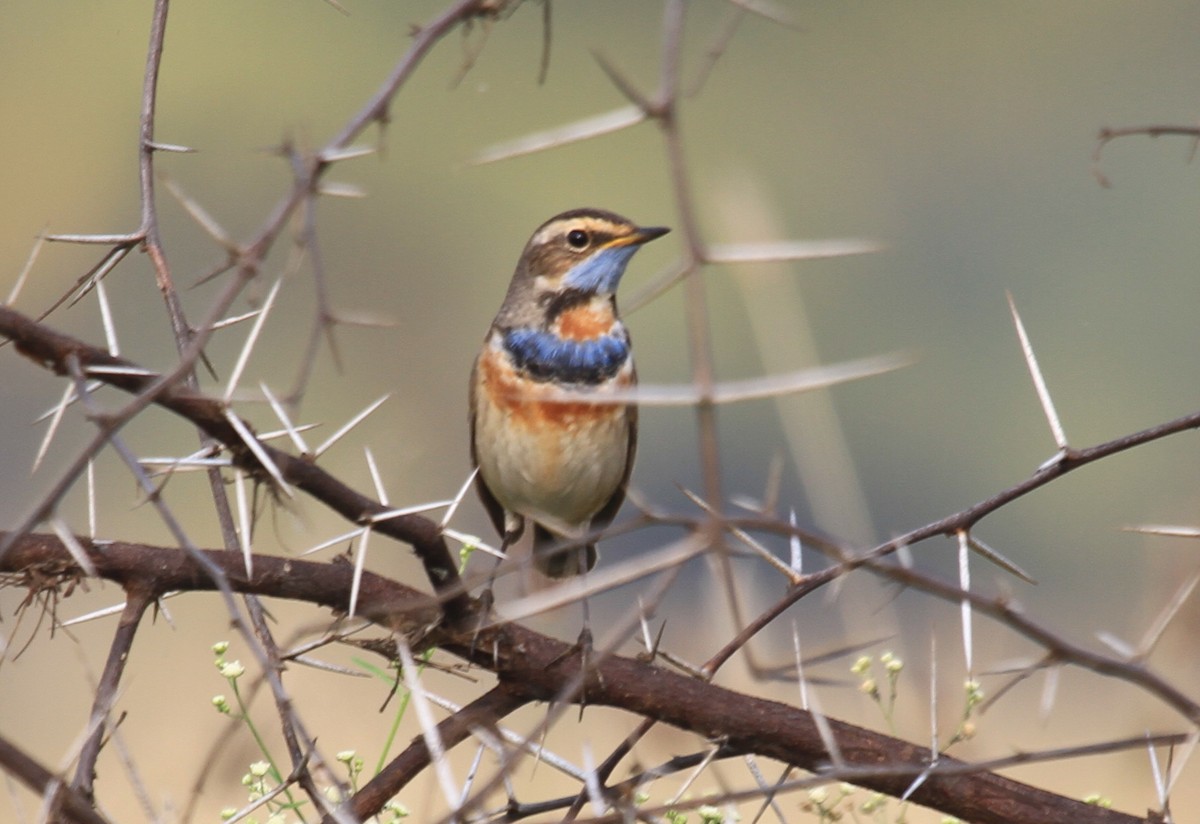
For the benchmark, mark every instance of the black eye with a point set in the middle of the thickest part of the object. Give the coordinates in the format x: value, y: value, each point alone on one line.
x: 578, y: 239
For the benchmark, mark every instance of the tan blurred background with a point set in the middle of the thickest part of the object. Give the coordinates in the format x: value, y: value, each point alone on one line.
x: 958, y: 135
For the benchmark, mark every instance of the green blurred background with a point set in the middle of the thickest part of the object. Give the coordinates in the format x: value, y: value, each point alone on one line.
x: 957, y: 134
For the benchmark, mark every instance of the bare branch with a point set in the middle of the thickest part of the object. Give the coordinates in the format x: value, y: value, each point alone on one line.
x: 537, y: 668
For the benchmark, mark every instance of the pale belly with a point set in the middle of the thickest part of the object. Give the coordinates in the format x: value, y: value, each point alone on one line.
x: 558, y: 464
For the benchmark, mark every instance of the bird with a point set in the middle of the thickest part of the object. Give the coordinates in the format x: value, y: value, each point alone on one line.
x: 561, y: 465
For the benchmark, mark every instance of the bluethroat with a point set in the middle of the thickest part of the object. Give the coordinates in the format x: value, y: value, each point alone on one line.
x: 561, y: 465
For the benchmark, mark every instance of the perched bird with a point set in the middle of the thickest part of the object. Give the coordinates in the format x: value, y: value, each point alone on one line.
x: 561, y: 465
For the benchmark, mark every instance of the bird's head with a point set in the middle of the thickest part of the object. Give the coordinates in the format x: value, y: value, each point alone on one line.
x: 584, y: 250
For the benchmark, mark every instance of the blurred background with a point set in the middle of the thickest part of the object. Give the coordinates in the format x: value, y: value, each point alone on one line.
x: 959, y: 136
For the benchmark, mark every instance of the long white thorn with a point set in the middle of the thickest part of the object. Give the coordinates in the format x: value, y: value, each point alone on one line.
x: 243, y: 506
x: 282, y: 414
x: 1049, y: 692
x: 964, y: 583
x: 406, y: 510
x: 934, y: 746
x: 373, y: 468
x: 115, y: 609
x: 337, y: 539
x: 257, y: 448
x: 458, y: 498
x: 251, y: 339
x: 825, y: 731
x: 1166, y: 615
x: 429, y: 731
x: 91, y: 498
x: 55, y: 419
x: 353, y: 422
x: 1039, y: 383
x: 1160, y: 784
x: 26, y: 269
x: 360, y: 559
x: 106, y: 317
x: 589, y: 127
x: 801, y: 681
x: 795, y: 546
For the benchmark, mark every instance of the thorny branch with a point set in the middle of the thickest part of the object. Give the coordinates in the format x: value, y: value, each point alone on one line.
x: 533, y: 667
x: 55, y: 350
x: 246, y: 261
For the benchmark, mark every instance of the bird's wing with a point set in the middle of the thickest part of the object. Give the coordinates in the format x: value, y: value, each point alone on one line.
x: 494, y: 509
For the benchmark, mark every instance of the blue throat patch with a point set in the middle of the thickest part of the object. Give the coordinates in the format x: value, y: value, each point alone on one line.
x: 600, y: 272
x: 547, y: 357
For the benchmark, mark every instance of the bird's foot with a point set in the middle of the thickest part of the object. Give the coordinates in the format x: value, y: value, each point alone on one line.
x: 483, y: 615
x: 588, y: 663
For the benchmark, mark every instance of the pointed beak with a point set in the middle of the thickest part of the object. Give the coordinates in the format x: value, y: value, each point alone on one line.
x: 640, y: 235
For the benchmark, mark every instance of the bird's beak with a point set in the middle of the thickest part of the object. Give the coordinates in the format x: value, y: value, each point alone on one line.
x: 638, y: 237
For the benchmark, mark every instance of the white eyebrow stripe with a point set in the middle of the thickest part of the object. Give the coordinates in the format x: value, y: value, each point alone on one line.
x: 547, y: 232
x: 589, y: 224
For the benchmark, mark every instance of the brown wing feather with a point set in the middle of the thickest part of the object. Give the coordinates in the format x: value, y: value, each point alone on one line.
x: 609, y: 511
x: 494, y: 509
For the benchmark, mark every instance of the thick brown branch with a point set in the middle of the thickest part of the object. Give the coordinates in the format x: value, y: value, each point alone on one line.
x: 159, y: 570
x: 534, y: 667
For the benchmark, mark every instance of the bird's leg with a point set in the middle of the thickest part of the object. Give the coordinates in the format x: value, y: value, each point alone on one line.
x: 585, y: 633
x: 583, y: 645
x: 514, y: 526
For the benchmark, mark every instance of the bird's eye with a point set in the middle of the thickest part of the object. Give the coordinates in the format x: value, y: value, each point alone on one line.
x: 578, y: 239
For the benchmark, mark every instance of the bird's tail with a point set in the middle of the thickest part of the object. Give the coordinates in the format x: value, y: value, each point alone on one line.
x: 554, y: 561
